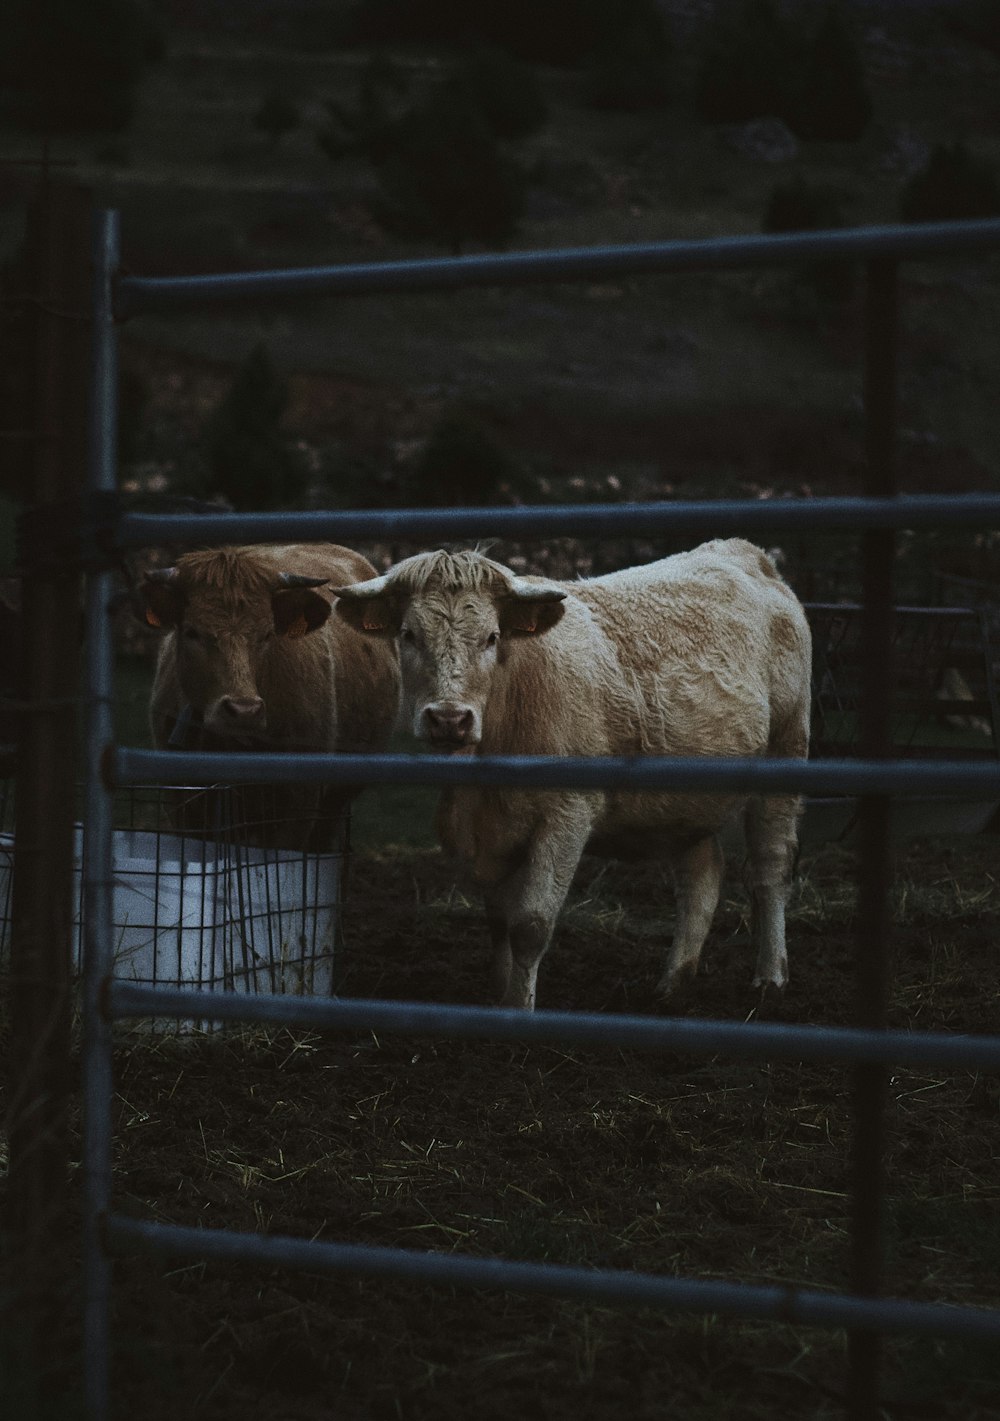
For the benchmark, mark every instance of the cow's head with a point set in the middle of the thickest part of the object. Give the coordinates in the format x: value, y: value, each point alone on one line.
x: 229, y: 616
x: 455, y: 615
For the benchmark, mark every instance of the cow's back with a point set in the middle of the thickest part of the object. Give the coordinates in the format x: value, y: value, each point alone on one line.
x: 710, y: 645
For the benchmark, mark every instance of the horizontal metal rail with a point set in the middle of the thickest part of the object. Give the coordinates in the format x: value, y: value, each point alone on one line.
x: 741, y: 1040
x: 721, y: 518
x: 138, y: 294
x: 902, y: 609
x: 978, y: 779
x: 805, y: 1307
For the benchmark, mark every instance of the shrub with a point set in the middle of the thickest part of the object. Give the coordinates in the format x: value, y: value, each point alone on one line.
x: 373, y: 123
x: 801, y: 206
x: 977, y: 21
x: 276, y: 115
x: 506, y: 91
x: 463, y: 463
x: 831, y: 99
x: 953, y: 184
x: 447, y: 177
x: 250, y: 459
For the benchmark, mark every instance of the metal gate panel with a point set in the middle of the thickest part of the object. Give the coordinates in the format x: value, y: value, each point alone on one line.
x: 874, y: 777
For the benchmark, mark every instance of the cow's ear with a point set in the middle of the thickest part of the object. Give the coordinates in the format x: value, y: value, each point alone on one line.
x: 161, y: 602
x: 530, y: 610
x: 369, y: 608
x: 298, y: 611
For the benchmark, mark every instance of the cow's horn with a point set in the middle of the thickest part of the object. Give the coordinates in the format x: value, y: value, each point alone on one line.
x: 527, y: 591
x: 298, y: 579
x: 162, y: 574
x: 360, y: 591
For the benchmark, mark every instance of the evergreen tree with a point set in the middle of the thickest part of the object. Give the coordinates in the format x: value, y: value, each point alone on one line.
x: 448, y: 178
x: 629, y: 66
x: 79, y: 64
x: 251, y: 461
x: 953, y: 184
x: 562, y: 32
x: 832, y: 100
x: 747, y: 64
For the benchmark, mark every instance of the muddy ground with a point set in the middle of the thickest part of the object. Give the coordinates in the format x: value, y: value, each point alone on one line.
x: 668, y: 1164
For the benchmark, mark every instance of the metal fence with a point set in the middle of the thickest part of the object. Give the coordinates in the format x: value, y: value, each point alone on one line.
x: 874, y: 776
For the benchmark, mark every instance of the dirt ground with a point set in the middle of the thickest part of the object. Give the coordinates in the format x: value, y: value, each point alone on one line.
x: 665, y: 1164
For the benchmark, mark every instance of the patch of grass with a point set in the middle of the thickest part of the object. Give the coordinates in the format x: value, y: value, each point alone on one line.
x: 938, y: 1377
x: 955, y: 1226
x: 535, y: 1236
x: 133, y: 683
x: 393, y: 816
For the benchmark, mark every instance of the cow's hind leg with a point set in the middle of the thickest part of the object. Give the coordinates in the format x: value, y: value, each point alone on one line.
x: 771, y: 825
x: 697, y: 882
x: 503, y: 959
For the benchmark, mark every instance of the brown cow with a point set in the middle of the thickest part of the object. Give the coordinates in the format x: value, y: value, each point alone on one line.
x: 704, y: 653
x: 254, y: 661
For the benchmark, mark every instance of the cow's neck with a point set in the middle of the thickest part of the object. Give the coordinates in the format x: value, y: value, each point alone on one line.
x: 524, y: 712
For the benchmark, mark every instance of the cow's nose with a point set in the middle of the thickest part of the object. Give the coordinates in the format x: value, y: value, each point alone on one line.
x: 243, y: 710
x: 446, y: 722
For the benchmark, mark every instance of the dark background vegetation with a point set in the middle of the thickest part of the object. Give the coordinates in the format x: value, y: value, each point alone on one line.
x: 282, y: 132
x: 327, y: 131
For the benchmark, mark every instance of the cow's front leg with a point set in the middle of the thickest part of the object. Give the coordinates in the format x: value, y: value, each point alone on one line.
x: 697, y: 883
x: 522, y: 910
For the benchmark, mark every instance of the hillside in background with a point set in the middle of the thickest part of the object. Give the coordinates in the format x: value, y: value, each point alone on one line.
x: 699, y: 384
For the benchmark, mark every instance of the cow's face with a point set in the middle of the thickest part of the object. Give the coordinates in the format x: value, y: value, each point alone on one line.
x: 223, y: 644
x: 451, y: 639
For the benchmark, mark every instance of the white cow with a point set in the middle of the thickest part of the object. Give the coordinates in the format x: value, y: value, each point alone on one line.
x: 704, y: 653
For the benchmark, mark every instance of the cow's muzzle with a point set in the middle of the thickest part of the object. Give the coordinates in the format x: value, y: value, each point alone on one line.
x: 238, y: 715
x: 449, y: 725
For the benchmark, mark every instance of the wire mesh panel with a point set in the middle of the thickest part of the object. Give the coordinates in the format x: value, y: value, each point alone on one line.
x: 942, y: 705
x: 202, y: 899
x: 943, y: 702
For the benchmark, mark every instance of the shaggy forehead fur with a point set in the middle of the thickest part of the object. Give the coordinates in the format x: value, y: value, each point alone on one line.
x: 233, y: 576
x: 449, y: 572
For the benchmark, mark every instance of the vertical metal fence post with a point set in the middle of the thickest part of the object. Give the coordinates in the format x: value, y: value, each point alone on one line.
x: 97, y: 881
x: 42, y: 888
x: 878, y: 550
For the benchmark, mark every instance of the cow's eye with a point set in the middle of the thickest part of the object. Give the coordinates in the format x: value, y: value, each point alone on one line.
x: 492, y: 639
x: 409, y: 636
x: 192, y: 634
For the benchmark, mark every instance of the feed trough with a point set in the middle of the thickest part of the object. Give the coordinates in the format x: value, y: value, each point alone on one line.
x: 211, y: 911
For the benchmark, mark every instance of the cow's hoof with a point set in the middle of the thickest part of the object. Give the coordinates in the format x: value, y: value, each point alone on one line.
x: 770, y: 996
x: 675, y: 985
